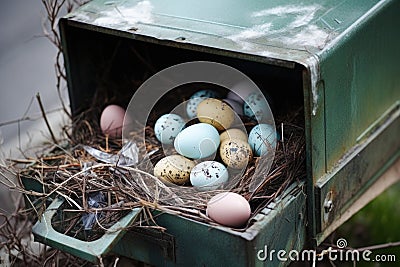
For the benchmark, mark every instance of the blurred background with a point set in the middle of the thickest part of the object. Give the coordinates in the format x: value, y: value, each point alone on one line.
x: 377, y: 223
x: 27, y: 67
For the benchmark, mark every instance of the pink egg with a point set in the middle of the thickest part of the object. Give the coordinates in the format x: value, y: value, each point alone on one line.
x: 240, y: 92
x: 229, y: 209
x: 112, y: 120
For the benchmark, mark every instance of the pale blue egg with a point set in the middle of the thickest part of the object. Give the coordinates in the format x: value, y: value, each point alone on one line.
x: 208, y: 175
x: 167, y: 127
x: 205, y: 93
x: 196, y: 98
x: 262, y: 139
x: 256, y: 107
x: 197, y: 141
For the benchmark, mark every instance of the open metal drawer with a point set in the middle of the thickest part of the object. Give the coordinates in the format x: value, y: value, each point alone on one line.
x: 336, y: 59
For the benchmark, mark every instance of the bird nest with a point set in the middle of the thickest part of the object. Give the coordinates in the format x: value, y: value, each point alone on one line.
x: 98, y: 193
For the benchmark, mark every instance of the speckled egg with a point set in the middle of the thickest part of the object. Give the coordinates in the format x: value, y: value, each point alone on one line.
x: 208, y: 175
x: 236, y: 153
x: 256, y: 107
x: 197, y: 141
x: 229, y: 209
x: 236, y: 106
x: 112, y: 120
x: 174, y: 169
x: 233, y: 133
x: 262, y: 138
x: 196, y: 98
x: 215, y: 112
x: 167, y: 127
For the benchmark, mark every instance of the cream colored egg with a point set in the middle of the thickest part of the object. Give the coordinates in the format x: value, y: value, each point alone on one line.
x: 233, y: 133
x: 235, y: 153
x: 215, y: 112
x: 174, y: 169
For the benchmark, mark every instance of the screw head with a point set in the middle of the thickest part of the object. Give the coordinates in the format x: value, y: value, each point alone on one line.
x: 328, y: 206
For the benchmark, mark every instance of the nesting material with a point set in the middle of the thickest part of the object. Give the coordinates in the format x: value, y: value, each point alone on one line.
x: 107, y: 191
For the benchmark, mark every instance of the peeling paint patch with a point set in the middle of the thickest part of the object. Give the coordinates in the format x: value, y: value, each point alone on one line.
x: 269, y: 54
x: 308, y: 36
x: 291, y: 25
x: 302, y: 14
x: 283, y: 10
x: 141, y: 12
x: 253, y: 32
x: 79, y: 17
x: 313, y: 65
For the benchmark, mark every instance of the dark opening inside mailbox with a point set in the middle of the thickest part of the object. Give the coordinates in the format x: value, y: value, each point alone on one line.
x: 337, y: 60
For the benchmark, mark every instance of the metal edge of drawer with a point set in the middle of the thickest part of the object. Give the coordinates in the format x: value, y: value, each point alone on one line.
x: 189, y: 243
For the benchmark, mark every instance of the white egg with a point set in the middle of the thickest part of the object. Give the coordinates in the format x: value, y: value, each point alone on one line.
x: 208, y: 175
x: 167, y: 127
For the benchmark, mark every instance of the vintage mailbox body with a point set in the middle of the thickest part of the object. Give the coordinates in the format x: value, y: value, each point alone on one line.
x: 337, y: 59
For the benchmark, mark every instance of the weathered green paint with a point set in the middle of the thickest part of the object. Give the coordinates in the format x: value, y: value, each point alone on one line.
x: 346, y: 53
x: 279, y: 226
x: 360, y: 73
x: 358, y: 170
x: 361, y: 95
x: 265, y: 24
x: 190, y: 243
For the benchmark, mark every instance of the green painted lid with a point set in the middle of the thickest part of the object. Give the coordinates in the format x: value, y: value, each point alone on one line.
x: 288, y: 30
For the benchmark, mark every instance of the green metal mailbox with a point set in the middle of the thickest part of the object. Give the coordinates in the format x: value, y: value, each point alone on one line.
x: 336, y: 59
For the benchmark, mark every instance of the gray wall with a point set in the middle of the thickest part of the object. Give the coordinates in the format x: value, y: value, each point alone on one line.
x: 26, y: 68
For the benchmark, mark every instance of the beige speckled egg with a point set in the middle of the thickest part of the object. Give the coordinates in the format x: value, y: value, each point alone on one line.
x: 235, y: 153
x: 174, y: 169
x: 215, y: 112
x: 233, y: 133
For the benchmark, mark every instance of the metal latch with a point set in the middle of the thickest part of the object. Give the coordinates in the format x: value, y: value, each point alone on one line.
x: 328, y: 205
